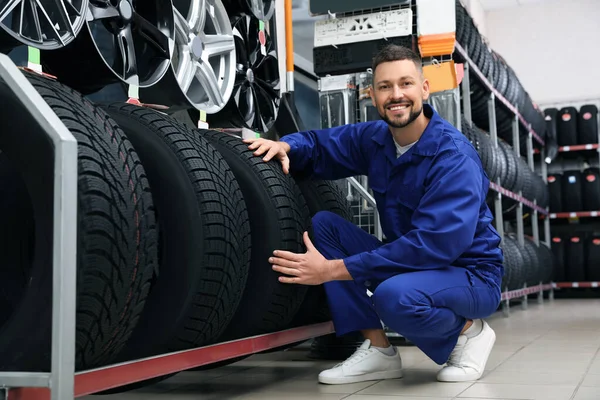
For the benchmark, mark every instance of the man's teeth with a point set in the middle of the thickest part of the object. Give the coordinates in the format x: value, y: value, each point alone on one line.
x: 395, y: 108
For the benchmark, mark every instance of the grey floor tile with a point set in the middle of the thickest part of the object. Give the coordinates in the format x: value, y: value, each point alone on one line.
x: 515, y: 391
x: 587, y: 393
x: 592, y: 380
x: 420, y: 383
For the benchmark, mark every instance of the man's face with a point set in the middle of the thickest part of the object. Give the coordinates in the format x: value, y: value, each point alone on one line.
x: 398, y: 92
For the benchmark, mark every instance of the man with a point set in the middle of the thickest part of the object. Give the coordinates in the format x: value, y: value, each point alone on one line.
x: 440, y: 271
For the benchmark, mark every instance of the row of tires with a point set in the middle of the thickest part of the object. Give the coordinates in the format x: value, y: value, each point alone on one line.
x: 526, y: 265
x: 574, y: 191
x: 570, y: 126
x: 577, y: 257
x: 175, y: 228
x: 502, y: 77
x: 503, y: 165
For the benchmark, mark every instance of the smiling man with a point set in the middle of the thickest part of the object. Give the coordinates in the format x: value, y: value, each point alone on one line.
x: 439, y: 272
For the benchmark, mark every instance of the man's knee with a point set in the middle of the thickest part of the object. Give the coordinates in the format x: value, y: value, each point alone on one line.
x: 398, y: 300
x: 324, y: 221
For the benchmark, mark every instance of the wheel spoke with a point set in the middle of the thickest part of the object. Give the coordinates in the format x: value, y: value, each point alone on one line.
x: 154, y: 36
x: 64, y: 14
x: 198, y: 16
x: 36, y: 21
x: 216, y: 45
x: 186, y: 72
x: 7, y: 9
x: 102, y: 12
x: 209, y: 82
x: 195, y: 19
x: 182, y: 29
x: 128, y: 57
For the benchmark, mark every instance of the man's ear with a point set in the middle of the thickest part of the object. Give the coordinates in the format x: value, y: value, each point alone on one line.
x: 425, y: 89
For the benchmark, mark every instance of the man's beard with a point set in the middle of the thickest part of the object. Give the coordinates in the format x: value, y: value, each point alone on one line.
x: 414, y: 114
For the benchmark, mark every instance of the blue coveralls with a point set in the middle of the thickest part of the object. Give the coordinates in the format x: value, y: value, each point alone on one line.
x: 441, y: 263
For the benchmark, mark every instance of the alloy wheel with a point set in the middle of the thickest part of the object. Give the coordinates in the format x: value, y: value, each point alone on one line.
x: 202, y: 72
x: 42, y: 24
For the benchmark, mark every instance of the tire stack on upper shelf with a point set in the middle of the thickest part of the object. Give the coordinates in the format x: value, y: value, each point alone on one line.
x: 212, y: 59
x: 502, y: 78
x: 175, y: 229
x: 574, y: 186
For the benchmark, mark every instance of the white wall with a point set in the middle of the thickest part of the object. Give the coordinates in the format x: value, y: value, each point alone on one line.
x: 553, y: 47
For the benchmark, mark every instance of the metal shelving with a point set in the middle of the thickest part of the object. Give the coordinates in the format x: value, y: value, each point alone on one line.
x: 494, y: 96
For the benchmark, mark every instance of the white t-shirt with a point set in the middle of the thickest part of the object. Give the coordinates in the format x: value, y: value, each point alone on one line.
x: 403, y: 149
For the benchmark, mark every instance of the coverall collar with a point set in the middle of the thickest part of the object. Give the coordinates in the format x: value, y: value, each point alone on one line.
x: 428, y: 144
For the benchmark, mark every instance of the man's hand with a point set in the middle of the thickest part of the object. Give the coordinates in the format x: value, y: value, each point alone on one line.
x: 310, y: 268
x: 278, y: 150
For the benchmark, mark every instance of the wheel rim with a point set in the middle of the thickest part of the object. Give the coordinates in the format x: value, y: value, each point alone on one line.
x: 261, y: 9
x: 256, y: 90
x: 204, y: 58
x: 135, y: 39
x: 45, y: 25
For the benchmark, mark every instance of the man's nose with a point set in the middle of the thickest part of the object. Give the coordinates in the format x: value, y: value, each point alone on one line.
x: 397, y: 93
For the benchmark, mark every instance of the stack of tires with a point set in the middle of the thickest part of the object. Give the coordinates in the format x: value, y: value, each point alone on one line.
x: 527, y: 264
x: 503, y: 78
x: 505, y: 167
x: 175, y: 228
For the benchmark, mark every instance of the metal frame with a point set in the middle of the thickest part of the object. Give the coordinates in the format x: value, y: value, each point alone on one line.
x: 64, y: 262
x: 495, y: 96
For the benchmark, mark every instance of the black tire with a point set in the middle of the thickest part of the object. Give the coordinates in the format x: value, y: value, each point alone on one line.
x: 592, y: 268
x: 555, y: 192
x: 587, y: 124
x: 205, y: 235
x: 566, y: 126
x: 558, y: 250
x: 117, y: 239
x: 278, y: 217
x: 320, y: 196
x: 571, y: 191
x: 575, y: 259
x: 517, y: 262
x: 590, y: 183
x: 532, y: 275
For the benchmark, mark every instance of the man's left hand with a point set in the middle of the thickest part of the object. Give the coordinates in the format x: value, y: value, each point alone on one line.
x: 310, y: 268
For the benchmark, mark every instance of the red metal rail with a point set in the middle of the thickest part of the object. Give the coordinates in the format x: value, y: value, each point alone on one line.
x: 576, y: 285
x: 579, y: 214
x: 514, y: 294
x: 577, y: 147
x: 498, y: 95
x: 516, y: 197
x: 98, y: 380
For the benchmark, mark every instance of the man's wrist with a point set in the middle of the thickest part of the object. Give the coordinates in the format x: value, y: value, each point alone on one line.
x: 286, y: 146
x: 338, y: 271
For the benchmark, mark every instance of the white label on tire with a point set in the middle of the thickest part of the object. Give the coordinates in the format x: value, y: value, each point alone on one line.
x: 361, y: 28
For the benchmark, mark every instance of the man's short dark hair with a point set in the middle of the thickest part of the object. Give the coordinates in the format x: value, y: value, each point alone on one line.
x: 394, y: 52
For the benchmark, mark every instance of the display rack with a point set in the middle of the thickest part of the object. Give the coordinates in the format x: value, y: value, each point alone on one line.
x: 495, y: 96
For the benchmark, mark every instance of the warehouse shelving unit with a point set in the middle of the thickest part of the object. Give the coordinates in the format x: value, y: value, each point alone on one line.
x: 495, y: 96
x: 576, y: 215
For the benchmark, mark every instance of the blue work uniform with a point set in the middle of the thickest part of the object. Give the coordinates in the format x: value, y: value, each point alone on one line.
x: 441, y: 263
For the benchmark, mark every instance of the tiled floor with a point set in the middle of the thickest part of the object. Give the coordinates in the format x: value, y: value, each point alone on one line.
x: 548, y: 352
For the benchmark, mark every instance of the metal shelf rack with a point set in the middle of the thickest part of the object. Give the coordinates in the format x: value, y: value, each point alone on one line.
x: 537, y: 211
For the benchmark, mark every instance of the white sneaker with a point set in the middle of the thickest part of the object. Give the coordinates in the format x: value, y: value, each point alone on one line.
x: 468, y: 359
x: 366, y: 364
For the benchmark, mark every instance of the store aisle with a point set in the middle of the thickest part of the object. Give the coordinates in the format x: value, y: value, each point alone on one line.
x: 548, y: 352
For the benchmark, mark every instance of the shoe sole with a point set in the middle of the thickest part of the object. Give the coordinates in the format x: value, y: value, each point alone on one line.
x: 374, y: 376
x: 470, y: 378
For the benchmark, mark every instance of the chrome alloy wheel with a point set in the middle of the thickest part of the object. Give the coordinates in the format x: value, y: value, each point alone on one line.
x: 261, y: 9
x: 42, y: 24
x: 202, y: 72
x: 127, y: 40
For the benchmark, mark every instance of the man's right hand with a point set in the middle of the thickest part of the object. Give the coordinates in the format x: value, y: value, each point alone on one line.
x: 275, y: 149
